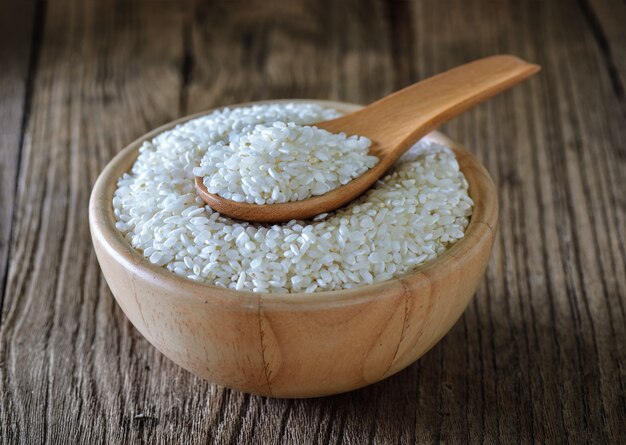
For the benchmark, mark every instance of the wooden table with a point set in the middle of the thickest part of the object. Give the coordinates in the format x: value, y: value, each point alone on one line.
x: 540, y: 354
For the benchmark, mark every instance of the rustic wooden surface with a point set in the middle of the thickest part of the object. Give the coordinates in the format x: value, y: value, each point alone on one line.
x: 540, y: 354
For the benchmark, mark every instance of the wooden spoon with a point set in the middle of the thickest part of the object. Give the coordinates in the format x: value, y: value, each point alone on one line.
x: 393, y: 123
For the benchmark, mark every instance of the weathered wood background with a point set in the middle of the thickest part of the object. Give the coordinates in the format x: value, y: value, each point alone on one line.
x: 540, y: 354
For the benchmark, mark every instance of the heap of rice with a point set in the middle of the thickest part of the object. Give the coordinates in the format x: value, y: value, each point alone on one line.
x: 414, y: 214
x: 282, y: 162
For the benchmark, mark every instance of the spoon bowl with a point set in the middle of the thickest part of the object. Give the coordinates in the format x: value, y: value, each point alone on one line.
x: 393, y: 124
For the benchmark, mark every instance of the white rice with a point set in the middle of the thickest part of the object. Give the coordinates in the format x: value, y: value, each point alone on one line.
x: 282, y: 162
x: 414, y: 214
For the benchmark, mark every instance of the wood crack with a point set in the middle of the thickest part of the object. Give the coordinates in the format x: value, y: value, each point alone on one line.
x: 605, y: 51
x: 264, y: 362
x: 401, y: 37
x: 187, y: 61
x: 406, y: 294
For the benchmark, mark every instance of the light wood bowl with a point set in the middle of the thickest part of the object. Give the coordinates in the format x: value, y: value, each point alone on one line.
x: 294, y: 345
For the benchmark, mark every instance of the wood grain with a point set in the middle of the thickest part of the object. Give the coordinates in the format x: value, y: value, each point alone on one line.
x: 539, y: 356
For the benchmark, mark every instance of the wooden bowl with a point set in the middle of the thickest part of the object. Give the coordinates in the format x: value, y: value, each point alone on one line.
x: 294, y: 345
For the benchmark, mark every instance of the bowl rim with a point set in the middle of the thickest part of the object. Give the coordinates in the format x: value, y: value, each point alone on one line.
x: 102, y: 227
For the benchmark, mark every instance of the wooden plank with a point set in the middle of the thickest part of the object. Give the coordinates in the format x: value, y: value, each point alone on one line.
x: 544, y: 339
x: 538, y: 357
x: 18, y: 54
x: 72, y: 366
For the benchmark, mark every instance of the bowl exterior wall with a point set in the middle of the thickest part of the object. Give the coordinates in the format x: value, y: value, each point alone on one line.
x: 287, y: 351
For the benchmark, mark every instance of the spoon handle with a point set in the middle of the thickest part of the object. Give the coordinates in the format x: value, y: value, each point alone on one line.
x: 395, y: 122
